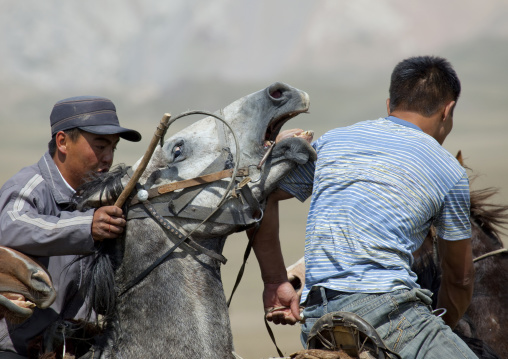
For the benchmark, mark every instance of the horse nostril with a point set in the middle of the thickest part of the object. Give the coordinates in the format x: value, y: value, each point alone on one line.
x: 41, y: 282
x: 276, y: 93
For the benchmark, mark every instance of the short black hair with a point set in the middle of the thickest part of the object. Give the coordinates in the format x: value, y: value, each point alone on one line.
x: 73, y: 134
x: 423, y: 84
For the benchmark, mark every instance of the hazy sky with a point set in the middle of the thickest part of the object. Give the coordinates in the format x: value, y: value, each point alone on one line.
x: 151, y: 44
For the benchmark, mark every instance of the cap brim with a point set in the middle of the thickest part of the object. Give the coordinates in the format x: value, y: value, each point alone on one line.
x: 125, y: 133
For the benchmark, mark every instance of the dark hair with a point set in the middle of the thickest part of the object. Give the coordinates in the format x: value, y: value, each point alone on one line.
x: 73, y: 134
x: 423, y: 84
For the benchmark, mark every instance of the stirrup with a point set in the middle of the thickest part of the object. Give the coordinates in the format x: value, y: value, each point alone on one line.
x: 348, y: 332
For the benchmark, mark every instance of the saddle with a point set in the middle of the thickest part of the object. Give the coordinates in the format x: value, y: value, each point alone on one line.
x: 348, y: 332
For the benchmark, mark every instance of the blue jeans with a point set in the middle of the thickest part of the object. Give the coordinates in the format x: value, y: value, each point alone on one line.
x: 402, y: 318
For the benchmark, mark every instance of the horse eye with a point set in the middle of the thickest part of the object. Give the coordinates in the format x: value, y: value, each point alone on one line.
x: 177, y: 151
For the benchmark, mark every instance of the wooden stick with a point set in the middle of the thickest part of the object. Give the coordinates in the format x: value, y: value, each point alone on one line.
x: 161, y: 129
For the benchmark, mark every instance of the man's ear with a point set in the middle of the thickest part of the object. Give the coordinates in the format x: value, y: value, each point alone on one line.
x: 448, y: 110
x: 61, y: 142
x: 388, y: 106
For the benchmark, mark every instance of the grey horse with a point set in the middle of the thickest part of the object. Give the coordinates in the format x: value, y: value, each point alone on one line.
x: 178, y: 309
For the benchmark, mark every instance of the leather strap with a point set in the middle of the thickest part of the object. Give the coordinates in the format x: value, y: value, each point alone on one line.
x: 222, y: 216
x: 272, y: 336
x: 179, y: 234
x: 242, y: 268
x: 196, y: 181
x: 180, y: 239
x: 211, y: 177
x: 177, y: 206
x: 493, y: 253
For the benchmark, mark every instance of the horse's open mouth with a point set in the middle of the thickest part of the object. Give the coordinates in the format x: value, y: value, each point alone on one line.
x: 19, y: 300
x: 15, y: 307
x: 271, y: 136
x: 268, y: 145
x: 275, y: 125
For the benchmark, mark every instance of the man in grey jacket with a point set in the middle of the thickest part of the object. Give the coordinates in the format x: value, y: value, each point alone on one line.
x: 33, y: 210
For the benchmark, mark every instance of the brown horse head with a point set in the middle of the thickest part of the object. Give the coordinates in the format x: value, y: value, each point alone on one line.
x: 24, y: 285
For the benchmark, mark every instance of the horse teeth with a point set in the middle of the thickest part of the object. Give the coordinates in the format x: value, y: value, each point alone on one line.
x: 30, y: 304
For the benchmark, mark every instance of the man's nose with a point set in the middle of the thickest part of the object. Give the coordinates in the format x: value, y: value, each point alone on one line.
x: 108, y: 157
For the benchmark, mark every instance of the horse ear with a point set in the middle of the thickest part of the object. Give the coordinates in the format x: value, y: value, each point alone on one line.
x: 459, y: 158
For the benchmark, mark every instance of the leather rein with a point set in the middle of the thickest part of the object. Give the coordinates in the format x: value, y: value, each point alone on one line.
x: 489, y: 254
x: 241, y: 192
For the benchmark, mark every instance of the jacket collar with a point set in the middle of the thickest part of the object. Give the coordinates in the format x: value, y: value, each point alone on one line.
x: 62, y: 192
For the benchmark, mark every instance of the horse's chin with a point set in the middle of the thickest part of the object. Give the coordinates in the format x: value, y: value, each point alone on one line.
x: 15, y: 307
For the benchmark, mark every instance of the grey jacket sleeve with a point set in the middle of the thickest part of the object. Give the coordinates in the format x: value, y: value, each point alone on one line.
x: 33, y: 223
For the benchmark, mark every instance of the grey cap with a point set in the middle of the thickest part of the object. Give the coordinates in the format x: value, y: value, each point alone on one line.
x: 91, y: 114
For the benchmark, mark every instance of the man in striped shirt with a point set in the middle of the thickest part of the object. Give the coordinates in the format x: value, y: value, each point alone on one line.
x: 376, y: 187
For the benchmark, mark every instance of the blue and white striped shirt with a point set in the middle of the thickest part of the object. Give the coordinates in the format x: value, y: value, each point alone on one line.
x: 376, y: 186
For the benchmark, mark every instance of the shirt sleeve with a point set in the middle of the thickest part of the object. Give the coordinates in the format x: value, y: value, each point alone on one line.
x: 299, y: 182
x: 30, y: 224
x: 453, y: 222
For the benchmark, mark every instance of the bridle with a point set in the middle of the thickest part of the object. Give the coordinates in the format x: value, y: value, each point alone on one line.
x: 141, y: 207
x: 490, y: 254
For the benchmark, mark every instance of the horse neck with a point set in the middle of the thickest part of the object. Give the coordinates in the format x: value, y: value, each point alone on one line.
x: 487, y: 310
x: 483, y: 239
x: 179, y: 308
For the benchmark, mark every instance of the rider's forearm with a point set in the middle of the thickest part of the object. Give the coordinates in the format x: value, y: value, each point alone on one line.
x: 455, y: 296
x: 267, y: 245
x: 457, y: 279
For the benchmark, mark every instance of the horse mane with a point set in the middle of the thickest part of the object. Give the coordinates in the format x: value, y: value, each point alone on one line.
x: 491, y: 217
x: 107, y: 186
x: 99, y: 287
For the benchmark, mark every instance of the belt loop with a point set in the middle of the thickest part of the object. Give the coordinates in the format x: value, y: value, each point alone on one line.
x: 323, y: 295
